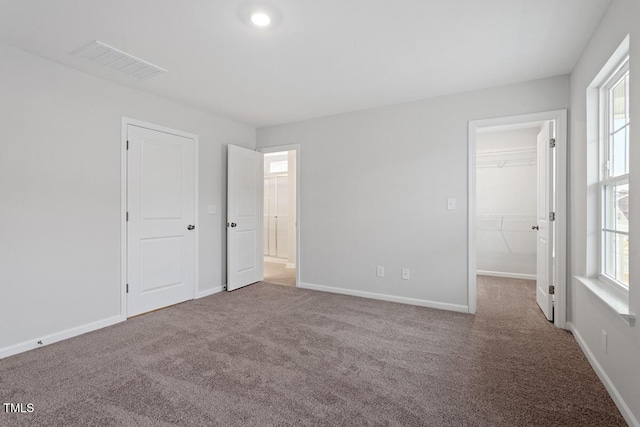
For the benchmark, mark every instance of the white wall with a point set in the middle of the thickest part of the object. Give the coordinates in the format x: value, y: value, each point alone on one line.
x: 60, y: 139
x: 588, y: 314
x: 506, y: 204
x: 374, y: 186
x: 506, y: 139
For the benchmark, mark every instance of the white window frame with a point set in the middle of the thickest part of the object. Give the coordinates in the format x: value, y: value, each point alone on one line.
x: 614, y: 296
x: 620, y: 72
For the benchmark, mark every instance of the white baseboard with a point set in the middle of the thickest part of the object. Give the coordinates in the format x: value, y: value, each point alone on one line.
x: 608, y: 384
x: 508, y: 275
x: 208, y: 292
x: 59, y: 336
x: 79, y: 330
x: 275, y: 260
x: 385, y: 297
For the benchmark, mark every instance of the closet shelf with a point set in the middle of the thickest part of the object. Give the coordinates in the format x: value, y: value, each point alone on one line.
x: 521, y: 156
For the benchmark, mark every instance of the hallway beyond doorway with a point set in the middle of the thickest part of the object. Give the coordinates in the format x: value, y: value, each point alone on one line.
x: 278, y: 273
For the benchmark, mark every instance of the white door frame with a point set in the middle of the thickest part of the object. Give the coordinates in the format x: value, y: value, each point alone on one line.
x: 296, y: 147
x: 560, y: 263
x: 126, y: 121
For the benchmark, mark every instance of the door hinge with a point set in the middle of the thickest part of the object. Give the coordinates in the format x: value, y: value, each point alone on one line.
x: 552, y: 143
x: 552, y: 290
x: 127, y: 288
x: 127, y: 144
x: 552, y: 216
x: 127, y: 216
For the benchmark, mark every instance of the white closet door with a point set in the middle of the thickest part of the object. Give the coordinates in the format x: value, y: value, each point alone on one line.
x: 266, y: 217
x: 272, y: 217
x: 161, y: 210
x: 282, y: 216
x: 544, y: 273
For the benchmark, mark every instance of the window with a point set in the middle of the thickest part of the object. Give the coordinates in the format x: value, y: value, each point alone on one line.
x: 614, y: 181
x: 606, y: 272
x: 279, y: 167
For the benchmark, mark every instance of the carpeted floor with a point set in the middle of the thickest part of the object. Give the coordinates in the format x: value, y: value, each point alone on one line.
x: 278, y: 273
x: 276, y: 355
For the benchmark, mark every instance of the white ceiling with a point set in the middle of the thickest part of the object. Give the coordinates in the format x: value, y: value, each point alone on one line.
x: 324, y: 56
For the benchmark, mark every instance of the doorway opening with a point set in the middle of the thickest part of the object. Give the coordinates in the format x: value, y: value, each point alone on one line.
x: 517, y: 207
x: 279, y: 217
x: 507, y: 198
x: 506, y: 201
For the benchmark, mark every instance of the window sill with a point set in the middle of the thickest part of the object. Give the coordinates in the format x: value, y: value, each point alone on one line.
x: 614, y: 298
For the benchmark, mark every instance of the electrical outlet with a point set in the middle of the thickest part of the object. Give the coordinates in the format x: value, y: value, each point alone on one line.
x: 451, y: 204
x: 604, y: 341
x: 405, y: 274
x: 380, y: 271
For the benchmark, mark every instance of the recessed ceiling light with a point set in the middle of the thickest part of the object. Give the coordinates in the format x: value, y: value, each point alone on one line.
x: 260, y: 15
x: 260, y: 19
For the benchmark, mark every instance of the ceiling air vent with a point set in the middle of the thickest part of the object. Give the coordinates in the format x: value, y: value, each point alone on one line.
x: 119, y: 61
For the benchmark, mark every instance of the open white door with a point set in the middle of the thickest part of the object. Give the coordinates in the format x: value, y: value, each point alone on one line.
x: 161, y: 199
x: 245, y: 186
x: 545, y: 217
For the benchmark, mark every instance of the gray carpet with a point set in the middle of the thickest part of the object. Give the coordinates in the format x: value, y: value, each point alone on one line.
x: 275, y: 355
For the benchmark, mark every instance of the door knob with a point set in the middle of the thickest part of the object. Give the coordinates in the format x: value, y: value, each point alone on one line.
x: 233, y: 224
x: 535, y: 227
x: 191, y: 227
